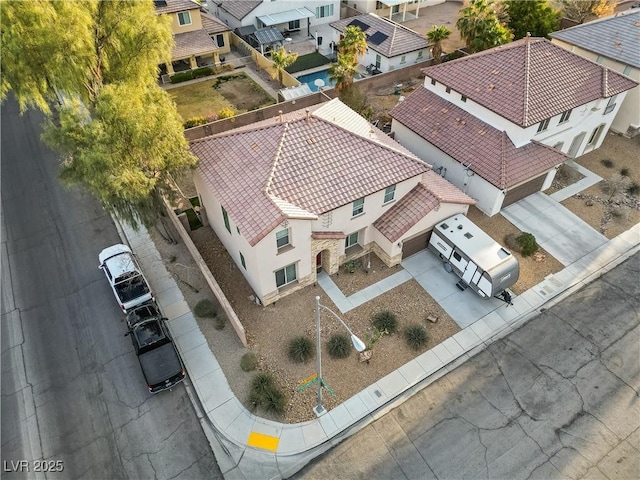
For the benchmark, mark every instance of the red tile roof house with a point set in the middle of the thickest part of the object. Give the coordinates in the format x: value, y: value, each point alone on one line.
x: 497, y: 124
x: 312, y: 189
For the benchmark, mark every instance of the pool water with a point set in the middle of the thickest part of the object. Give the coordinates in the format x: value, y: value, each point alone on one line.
x: 309, y: 78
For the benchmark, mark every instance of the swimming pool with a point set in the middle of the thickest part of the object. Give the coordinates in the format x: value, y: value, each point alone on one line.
x: 309, y: 78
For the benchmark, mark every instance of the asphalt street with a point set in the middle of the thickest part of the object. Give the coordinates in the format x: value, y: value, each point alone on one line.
x: 73, y: 393
x: 556, y: 399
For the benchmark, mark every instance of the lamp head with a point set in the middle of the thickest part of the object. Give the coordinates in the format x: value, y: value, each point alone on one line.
x: 358, y: 344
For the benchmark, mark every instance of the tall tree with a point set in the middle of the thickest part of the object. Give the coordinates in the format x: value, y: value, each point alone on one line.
x: 480, y: 26
x: 536, y: 17
x: 282, y: 59
x: 353, y: 43
x: 342, y: 72
x: 118, y: 131
x: 581, y: 10
x: 437, y: 35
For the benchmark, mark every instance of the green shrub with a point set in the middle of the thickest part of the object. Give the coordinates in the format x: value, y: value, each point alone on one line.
x: 624, y: 172
x: 202, y: 72
x: 633, y: 189
x: 182, y: 77
x: 301, y: 349
x: 226, y: 113
x: 528, y: 244
x: 352, y: 265
x: 416, y: 336
x: 266, y: 394
x: 607, y: 163
x: 339, y: 346
x: 205, y: 309
x: 194, y: 122
x: 511, y: 241
x: 248, y: 362
x: 385, y: 321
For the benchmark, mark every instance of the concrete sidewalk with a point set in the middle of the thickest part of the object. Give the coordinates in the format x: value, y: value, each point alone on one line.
x: 247, y: 446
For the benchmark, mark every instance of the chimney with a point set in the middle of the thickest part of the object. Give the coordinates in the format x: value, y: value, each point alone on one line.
x: 308, y: 114
x: 526, y: 38
x: 280, y: 115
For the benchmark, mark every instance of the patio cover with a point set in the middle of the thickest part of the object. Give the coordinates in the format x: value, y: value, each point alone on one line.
x: 267, y: 36
x: 192, y: 44
x: 295, y: 92
x: 286, y: 17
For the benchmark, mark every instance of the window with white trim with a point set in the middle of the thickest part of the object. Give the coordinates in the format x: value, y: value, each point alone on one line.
x: 627, y: 70
x: 389, y: 193
x: 184, y: 18
x: 403, y: 59
x: 420, y: 53
x: 282, y: 238
x: 294, y: 24
x: 225, y: 217
x: 324, y: 11
x: 351, y: 240
x: 543, y: 125
x: 286, y: 275
x: 220, y: 40
x: 611, y: 104
x: 565, y: 116
x: 595, y: 135
x: 242, y: 261
x: 358, y: 207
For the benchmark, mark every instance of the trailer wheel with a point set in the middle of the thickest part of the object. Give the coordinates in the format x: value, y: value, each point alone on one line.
x: 447, y: 267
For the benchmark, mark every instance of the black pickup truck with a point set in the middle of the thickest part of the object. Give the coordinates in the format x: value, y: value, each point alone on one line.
x: 161, y: 365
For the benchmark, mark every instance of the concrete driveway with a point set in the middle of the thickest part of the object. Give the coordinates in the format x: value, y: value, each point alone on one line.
x: 565, y: 236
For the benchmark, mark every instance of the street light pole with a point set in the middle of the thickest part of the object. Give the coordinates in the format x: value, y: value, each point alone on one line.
x: 357, y: 344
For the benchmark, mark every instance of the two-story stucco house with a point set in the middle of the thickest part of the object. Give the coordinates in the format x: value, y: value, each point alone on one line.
x: 389, y: 44
x: 285, y: 15
x: 200, y: 38
x: 313, y: 188
x: 398, y: 10
x: 613, y: 42
x: 497, y: 123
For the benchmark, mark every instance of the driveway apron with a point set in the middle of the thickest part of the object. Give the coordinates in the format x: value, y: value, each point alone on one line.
x: 565, y: 236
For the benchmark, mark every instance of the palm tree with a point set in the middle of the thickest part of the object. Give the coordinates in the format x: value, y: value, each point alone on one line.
x: 437, y: 35
x: 342, y: 72
x: 353, y: 43
x: 282, y: 59
x: 480, y: 26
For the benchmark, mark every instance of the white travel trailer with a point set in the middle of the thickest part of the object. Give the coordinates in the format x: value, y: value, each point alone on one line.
x: 481, y: 263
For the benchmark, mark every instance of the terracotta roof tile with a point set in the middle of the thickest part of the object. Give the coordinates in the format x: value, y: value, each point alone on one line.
x: 211, y: 24
x: 174, y: 6
x: 529, y: 80
x: 238, y: 8
x: 489, y: 152
x: 399, y: 39
x: 196, y: 42
x: 296, y: 167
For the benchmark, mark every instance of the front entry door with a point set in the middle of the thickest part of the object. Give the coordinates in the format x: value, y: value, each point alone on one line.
x: 318, y: 262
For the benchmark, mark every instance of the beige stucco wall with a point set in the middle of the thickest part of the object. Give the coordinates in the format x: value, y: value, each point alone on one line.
x: 196, y: 22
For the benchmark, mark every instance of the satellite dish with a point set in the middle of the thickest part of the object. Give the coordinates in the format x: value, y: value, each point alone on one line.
x: 319, y: 83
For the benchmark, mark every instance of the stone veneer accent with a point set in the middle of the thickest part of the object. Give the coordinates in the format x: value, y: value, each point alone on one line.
x: 331, y: 264
x: 272, y: 297
x: 384, y: 256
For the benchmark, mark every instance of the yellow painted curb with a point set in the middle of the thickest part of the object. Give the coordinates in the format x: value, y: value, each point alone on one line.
x: 260, y: 440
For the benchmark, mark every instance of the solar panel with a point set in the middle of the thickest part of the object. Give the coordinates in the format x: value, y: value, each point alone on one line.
x: 377, y: 38
x: 357, y: 23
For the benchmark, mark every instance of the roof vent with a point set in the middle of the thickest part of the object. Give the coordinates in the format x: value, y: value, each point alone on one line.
x: 308, y: 114
x: 280, y: 115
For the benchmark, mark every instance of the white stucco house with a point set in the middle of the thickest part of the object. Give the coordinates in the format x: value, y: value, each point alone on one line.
x: 613, y: 42
x: 398, y: 10
x: 389, y: 44
x: 287, y: 16
x: 498, y: 123
x: 311, y: 189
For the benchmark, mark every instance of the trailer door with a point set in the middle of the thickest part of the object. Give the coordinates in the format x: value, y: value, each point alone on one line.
x: 469, y: 271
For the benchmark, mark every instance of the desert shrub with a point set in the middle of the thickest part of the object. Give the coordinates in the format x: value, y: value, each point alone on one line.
x: 624, y: 172
x: 205, y: 309
x: 182, y: 77
x: 226, y: 113
x: 416, y: 336
x: 266, y: 394
x: 339, y: 346
x: 633, y: 189
x: 248, y: 362
x: 511, y: 242
x: 617, y: 211
x: 202, y: 72
x: 195, y: 121
x: 218, y: 322
x: 607, y: 163
x: 567, y: 175
x: 528, y: 244
x: 300, y: 349
x: 352, y: 265
x: 385, y: 321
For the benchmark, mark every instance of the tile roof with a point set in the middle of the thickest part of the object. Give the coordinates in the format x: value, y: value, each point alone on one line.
x: 529, y: 80
x: 300, y: 167
x: 470, y: 141
x: 211, y: 24
x: 174, y: 6
x: 238, y: 8
x: 197, y: 42
x: 399, y: 39
x: 616, y: 37
x: 413, y: 207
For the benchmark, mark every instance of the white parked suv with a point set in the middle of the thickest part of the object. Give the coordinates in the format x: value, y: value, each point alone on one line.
x: 125, y: 277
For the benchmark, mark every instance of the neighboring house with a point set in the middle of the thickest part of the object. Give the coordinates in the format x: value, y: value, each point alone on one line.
x: 287, y: 17
x: 496, y: 123
x: 311, y: 189
x: 613, y: 42
x: 393, y: 8
x: 390, y: 45
x: 200, y: 38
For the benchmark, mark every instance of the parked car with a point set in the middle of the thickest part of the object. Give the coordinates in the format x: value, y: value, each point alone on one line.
x: 159, y: 359
x: 125, y: 276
